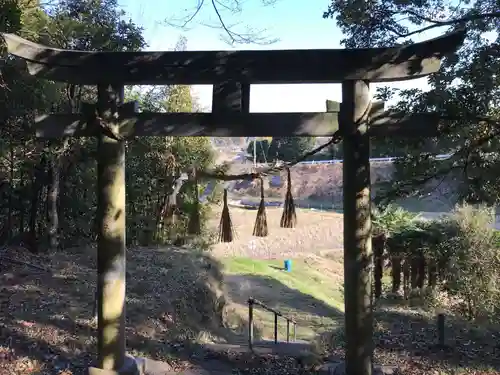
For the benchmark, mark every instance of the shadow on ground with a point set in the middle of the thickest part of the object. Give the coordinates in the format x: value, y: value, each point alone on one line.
x: 409, y: 339
x: 276, y: 295
x: 174, y: 296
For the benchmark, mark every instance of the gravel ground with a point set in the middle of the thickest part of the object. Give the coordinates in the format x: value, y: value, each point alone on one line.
x: 315, y: 232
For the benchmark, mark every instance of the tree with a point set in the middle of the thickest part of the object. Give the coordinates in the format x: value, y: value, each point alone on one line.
x: 94, y: 26
x: 82, y: 25
x: 22, y: 97
x: 261, y: 150
x: 289, y: 148
x: 466, y: 89
x: 159, y: 162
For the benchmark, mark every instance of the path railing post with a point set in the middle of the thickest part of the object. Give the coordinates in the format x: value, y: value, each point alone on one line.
x: 250, y: 323
x: 275, y: 328
x: 288, y: 330
x: 441, y: 329
x: 357, y: 227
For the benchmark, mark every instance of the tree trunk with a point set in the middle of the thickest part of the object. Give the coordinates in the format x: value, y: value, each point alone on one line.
x: 11, y: 192
x: 441, y: 268
x: 168, y: 206
x: 406, y: 276
x: 21, y: 201
x: 378, y: 252
x: 414, y: 265
x: 37, y: 183
x: 52, y: 198
x: 432, y: 272
x: 33, y: 213
x: 421, y: 270
x: 396, y: 273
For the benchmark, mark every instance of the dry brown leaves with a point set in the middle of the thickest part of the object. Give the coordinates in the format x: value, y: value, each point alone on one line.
x: 46, y: 323
x: 46, y: 327
x: 246, y: 363
x: 407, y: 338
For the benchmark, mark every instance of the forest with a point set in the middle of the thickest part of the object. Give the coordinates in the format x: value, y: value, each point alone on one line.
x: 47, y: 187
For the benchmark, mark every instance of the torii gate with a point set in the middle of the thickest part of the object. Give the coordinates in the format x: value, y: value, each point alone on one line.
x: 231, y: 73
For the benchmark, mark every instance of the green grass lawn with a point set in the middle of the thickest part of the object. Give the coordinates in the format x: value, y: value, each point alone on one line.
x: 307, y: 293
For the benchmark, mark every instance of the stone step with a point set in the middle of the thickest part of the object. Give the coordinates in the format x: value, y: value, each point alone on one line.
x: 338, y: 368
x: 265, y: 347
x: 213, y: 366
x: 147, y: 366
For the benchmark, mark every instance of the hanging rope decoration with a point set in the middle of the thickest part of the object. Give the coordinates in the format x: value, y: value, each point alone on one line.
x: 336, y: 138
x: 225, y: 225
x: 226, y: 233
x: 289, y: 217
x: 260, y: 227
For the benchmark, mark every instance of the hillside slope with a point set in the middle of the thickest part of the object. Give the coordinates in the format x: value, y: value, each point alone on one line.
x: 46, y: 323
x: 320, y: 186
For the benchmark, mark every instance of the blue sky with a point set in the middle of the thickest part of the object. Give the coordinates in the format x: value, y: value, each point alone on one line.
x: 298, y: 24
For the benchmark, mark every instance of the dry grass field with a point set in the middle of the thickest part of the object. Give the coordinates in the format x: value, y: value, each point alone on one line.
x: 404, y: 333
x: 316, y: 233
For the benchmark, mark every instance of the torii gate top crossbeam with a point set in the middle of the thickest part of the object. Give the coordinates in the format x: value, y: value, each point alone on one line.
x: 208, y: 67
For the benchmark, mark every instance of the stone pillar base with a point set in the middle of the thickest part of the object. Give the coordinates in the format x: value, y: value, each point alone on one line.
x: 136, y: 366
x: 132, y: 366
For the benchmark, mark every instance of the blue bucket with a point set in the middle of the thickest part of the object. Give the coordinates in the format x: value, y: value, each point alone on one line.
x: 288, y: 265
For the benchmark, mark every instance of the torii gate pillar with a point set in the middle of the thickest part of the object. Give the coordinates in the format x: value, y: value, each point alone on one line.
x: 354, y: 112
x: 111, y: 244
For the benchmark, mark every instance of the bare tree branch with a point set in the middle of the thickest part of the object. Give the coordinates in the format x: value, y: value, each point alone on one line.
x: 439, y: 23
x: 195, y: 13
x: 232, y: 36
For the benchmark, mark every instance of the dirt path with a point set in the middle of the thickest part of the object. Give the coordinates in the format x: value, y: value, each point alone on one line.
x: 315, y: 232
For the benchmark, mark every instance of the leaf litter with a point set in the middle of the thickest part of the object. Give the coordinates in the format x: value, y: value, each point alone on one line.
x: 174, y: 295
x: 46, y: 325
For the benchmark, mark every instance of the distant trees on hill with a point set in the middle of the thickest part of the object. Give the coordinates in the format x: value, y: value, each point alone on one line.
x: 291, y: 148
x: 280, y: 148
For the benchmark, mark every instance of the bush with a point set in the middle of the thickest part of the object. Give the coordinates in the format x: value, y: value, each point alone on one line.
x: 462, y: 252
x: 176, y: 232
x: 474, y: 261
x: 392, y: 219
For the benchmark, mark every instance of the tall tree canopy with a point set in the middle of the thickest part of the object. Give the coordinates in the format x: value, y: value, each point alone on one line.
x: 466, y: 88
x: 56, y: 179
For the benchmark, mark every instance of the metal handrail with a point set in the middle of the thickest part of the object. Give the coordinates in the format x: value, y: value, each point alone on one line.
x: 251, y: 303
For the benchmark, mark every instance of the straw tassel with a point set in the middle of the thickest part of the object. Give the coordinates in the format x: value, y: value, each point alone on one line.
x: 194, y: 226
x: 260, y: 228
x: 225, y: 225
x: 289, y: 217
